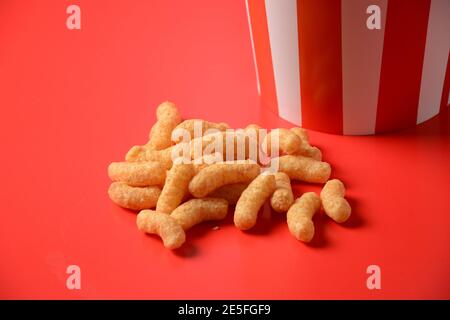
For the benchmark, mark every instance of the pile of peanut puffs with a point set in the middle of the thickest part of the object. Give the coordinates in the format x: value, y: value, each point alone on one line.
x: 193, y: 170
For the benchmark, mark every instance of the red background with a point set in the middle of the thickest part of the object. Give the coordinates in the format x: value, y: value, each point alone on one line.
x: 73, y: 101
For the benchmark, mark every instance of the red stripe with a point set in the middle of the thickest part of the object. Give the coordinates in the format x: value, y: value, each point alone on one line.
x: 319, y: 30
x: 402, y: 62
x: 260, y: 32
x: 446, y: 89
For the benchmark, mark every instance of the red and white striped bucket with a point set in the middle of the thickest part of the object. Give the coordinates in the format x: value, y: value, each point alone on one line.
x: 333, y: 66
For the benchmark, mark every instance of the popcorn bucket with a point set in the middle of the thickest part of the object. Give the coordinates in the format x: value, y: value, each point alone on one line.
x: 352, y: 67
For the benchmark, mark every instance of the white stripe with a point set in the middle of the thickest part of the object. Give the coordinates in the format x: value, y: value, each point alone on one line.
x: 435, y: 60
x: 283, y: 36
x: 362, y: 51
x: 448, y: 102
x: 258, y: 86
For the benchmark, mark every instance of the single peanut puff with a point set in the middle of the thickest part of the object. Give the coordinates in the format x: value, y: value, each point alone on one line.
x: 168, y: 117
x: 302, y: 133
x: 299, y: 216
x: 252, y: 199
x: 137, y: 174
x: 307, y: 150
x: 288, y: 142
x: 333, y: 201
x: 163, y: 225
x: 283, y: 197
x: 134, y: 198
x: 304, y: 169
x: 219, y: 174
x: 195, y: 211
x: 175, y: 187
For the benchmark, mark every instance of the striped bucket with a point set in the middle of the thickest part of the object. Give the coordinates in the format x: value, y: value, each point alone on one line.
x: 352, y: 67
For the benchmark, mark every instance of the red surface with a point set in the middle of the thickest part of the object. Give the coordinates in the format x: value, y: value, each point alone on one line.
x: 401, y: 68
x: 73, y: 101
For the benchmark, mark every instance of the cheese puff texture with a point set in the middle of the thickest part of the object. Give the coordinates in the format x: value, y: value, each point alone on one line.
x: 288, y: 142
x: 195, y: 211
x: 145, y: 153
x: 333, y: 201
x: 168, y: 117
x: 175, y: 187
x: 304, y: 169
x: 137, y: 174
x: 206, y: 160
x: 136, y: 154
x: 134, y: 198
x: 299, y: 216
x: 302, y: 133
x: 163, y: 225
x: 307, y: 150
x: 188, y: 127
x: 164, y: 157
x: 283, y: 197
x: 219, y: 174
x: 252, y: 199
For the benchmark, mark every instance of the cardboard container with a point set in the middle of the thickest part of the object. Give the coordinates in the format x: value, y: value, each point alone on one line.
x: 352, y: 67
